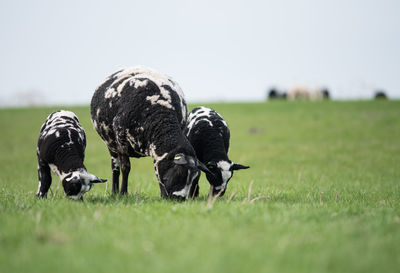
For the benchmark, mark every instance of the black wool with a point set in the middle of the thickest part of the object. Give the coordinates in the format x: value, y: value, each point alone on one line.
x: 138, y: 112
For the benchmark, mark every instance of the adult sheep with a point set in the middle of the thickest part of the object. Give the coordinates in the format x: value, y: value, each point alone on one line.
x: 209, y: 134
x: 61, y: 148
x: 139, y: 112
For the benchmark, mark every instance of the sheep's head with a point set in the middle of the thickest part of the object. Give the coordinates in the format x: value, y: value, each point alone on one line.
x: 222, y: 172
x: 179, y: 176
x: 77, y: 183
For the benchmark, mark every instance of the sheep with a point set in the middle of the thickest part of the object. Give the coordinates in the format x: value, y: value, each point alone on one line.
x: 209, y: 134
x: 302, y: 93
x: 380, y: 95
x: 61, y: 148
x: 298, y: 93
x: 275, y: 93
x: 138, y: 112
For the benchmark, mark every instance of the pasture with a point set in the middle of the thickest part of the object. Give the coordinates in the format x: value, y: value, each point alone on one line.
x: 327, y: 175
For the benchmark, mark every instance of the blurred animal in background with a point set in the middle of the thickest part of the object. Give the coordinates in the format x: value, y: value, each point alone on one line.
x: 380, y: 95
x: 302, y: 93
x: 325, y: 93
x: 209, y: 134
x: 61, y: 148
x: 274, y: 93
x: 137, y: 112
x: 298, y: 93
x: 319, y: 94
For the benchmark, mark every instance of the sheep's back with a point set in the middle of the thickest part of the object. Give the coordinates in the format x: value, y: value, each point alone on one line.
x: 129, y: 102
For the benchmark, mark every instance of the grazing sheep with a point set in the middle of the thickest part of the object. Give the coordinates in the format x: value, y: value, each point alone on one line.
x: 325, y: 93
x: 209, y: 134
x: 140, y: 112
x: 302, y: 93
x: 298, y: 93
x: 274, y: 94
x: 61, y: 148
x: 380, y: 95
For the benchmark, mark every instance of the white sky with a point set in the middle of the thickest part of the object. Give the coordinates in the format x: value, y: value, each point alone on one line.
x: 57, y: 52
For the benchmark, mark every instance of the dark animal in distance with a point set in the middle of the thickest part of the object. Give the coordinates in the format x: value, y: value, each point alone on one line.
x: 274, y: 93
x: 139, y: 112
x: 61, y: 148
x: 380, y: 95
x: 209, y: 134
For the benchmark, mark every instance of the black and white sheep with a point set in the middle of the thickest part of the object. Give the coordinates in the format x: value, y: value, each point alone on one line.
x: 61, y: 148
x: 209, y: 134
x: 139, y: 112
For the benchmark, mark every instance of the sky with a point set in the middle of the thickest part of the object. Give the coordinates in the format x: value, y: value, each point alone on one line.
x: 58, y: 52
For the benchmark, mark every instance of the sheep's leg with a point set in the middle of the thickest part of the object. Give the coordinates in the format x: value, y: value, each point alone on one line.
x: 115, y: 167
x: 44, y: 180
x: 126, y: 168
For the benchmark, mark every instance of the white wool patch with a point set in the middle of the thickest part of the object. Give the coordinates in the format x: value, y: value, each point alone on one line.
x: 55, y: 170
x: 153, y: 154
x: 57, y: 134
x: 135, y: 75
x: 157, y: 159
x: 105, y: 127
x: 196, y: 117
x: 110, y: 93
x: 116, y: 163
x: 133, y: 142
x: 165, y: 94
x: 122, y: 86
x: 49, y: 132
x: 138, y: 83
x: 155, y: 99
x: 70, y: 142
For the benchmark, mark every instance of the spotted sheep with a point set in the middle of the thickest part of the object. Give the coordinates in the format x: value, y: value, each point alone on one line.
x: 61, y: 148
x: 209, y: 134
x: 140, y: 112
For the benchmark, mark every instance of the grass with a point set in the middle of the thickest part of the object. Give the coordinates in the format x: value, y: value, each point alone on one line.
x: 330, y: 170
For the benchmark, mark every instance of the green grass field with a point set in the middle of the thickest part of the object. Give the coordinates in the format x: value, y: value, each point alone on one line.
x: 330, y: 172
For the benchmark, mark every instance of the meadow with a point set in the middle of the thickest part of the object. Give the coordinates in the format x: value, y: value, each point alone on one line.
x: 322, y: 195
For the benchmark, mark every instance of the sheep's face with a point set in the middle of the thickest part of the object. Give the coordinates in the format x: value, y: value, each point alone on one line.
x: 76, y: 184
x: 179, y: 176
x: 222, y: 172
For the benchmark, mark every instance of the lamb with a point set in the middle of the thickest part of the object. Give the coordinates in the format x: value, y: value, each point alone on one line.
x: 140, y: 112
x: 61, y: 148
x: 209, y: 134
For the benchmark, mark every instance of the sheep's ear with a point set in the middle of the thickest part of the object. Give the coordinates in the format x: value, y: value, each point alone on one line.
x: 180, y: 159
x: 98, y: 180
x: 211, y: 165
x: 203, y: 168
x: 236, y: 166
x: 95, y: 179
